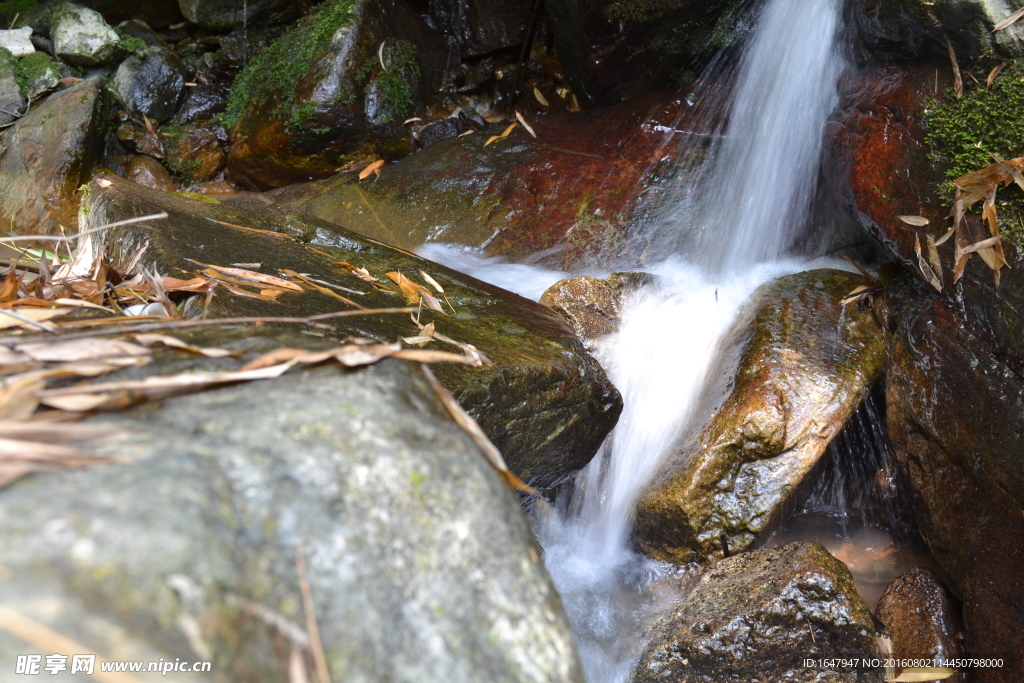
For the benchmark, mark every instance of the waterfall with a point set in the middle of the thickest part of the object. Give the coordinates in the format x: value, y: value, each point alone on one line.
x: 754, y: 195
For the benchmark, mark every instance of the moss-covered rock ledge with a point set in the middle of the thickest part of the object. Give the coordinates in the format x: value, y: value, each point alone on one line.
x: 545, y: 403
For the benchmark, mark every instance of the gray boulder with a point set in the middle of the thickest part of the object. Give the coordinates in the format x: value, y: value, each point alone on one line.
x: 420, y: 560
x: 151, y: 83
x: 18, y: 41
x: 223, y: 15
x: 755, y: 618
x: 80, y: 35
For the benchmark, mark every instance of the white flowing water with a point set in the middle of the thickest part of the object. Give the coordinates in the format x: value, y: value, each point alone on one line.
x: 752, y: 207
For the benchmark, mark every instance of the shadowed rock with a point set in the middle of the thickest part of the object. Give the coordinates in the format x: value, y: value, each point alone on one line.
x: 791, y: 373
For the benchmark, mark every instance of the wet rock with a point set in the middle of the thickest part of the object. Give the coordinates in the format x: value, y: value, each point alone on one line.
x: 480, y: 27
x: 11, y: 99
x: 919, y: 616
x: 194, y: 152
x: 201, y: 103
x: 80, y: 35
x: 319, y: 98
x: 159, y: 14
x: 593, y: 307
x: 545, y: 403
x: 445, y: 129
x: 419, y: 558
x: 968, y: 22
x: 756, y: 617
x: 136, y: 28
x: 40, y: 74
x: 956, y: 422
x: 151, y: 83
x: 149, y: 172
x: 49, y: 154
x: 18, y: 41
x: 789, y: 376
x: 223, y: 15
x: 139, y: 140
x: 569, y: 199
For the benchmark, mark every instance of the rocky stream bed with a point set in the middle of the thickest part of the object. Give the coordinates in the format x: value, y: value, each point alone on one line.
x: 246, y: 419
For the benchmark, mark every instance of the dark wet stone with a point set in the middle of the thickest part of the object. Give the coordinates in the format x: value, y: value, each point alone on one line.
x: 592, y: 306
x: 138, y: 139
x: 49, y: 153
x: 444, y: 129
x: 420, y: 560
x: 149, y: 172
x: 789, y: 375
x: 920, y: 619
x: 545, y: 403
x: 755, y: 618
x: 152, y: 83
x: 479, y: 27
x: 159, y: 14
x: 956, y: 423
x: 201, y: 103
x: 223, y: 15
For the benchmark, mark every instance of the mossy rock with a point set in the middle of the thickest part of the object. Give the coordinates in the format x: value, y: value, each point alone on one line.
x: 790, y: 374
x: 37, y: 74
x: 318, y: 97
x: 545, y: 403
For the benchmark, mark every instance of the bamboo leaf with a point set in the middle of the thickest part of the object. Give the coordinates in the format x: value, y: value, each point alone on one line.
x: 1005, y: 23
x: 504, y: 135
x: 916, y: 221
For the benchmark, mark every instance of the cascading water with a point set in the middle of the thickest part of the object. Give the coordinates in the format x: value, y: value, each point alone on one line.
x: 753, y: 199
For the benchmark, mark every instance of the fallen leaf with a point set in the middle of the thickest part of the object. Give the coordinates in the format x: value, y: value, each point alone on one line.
x: 1013, y: 171
x: 175, y: 343
x: 859, y: 293
x: 370, y: 169
x: 525, y: 124
x: 250, y: 266
x: 916, y: 221
x: 411, y: 120
x: 1008, y: 20
x: 95, y: 348
x: 504, y: 135
x: 540, y: 97
x: 70, y: 80
x: 251, y: 276
x: 24, y: 316
x: 933, y: 257
x: 360, y: 273
x: 922, y: 265
x: 993, y: 73
x: 320, y: 288
x: 942, y: 240
x: 352, y: 355
x: 958, y: 81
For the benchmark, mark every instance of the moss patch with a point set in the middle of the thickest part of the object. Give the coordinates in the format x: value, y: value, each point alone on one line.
x: 33, y: 67
x: 393, y: 84
x: 13, y: 8
x: 275, y: 73
x: 961, y: 134
x: 8, y: 64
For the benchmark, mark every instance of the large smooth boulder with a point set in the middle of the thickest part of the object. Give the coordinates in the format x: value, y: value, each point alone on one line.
x: 151, y: 84
x: 336, y: 87
x: 791, y: 373
x: 421, y: 565
x: 80, y: 35
x: 577, y: 196
x: 545, y: 403
x: 956, y: 421
x: 480, y: 27
x: 756, y: 618
x: 920, y: 619
x: 223, y: 15
x: 593, y: 306
x: 49, y: 154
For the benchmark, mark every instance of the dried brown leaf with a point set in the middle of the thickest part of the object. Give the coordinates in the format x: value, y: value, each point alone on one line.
x: 251, y: 276
x: 25, y: 317
x: 360, y: 273
x: 958, y: 81
x: 916, y: 221
x: 60, y: 351
x: 540, y: 97
x: 527, y: 126
x: 933, y: 258
x: 320, y: 288
x: 1008, y: 20
x: 993, y: 73
x: 175, y: 343
x: 495, y: 138
x: 924, y: 268
x: 365, y: 173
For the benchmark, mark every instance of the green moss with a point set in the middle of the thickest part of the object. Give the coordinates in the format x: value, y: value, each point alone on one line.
x: 275, y: 73
x: 33, y: 67
x: 961, y: 133
x: 131, y: 44
x: 12, y: 8
x: 8, y: 63
x: 393, y: 84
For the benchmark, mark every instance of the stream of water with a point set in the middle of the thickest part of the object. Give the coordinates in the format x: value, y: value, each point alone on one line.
x: 748, y: 211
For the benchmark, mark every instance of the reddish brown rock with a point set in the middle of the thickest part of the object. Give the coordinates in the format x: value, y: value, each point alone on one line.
x: 574, y: 197
x: 956, y: 422
x: 920, y: 618
x: 149, y: 172
x: 194, y: 152
x: 592, y: 306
